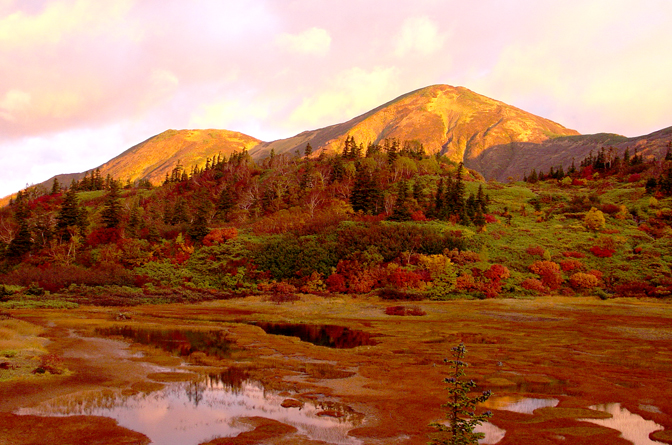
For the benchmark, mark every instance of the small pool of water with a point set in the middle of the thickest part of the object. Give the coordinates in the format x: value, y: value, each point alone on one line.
x: 633, y: 427
x: 493, y: 433
x: 331, y: 336
x: 181, y: 342
x: 525, y: 405
x: 195, y: 412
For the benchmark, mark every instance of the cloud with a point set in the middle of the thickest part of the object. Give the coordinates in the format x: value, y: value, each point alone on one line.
x: 15, y: 102
x: 59, y: 20
x: 419, y: 35
x: 229, y: 114
x: 313, y: 41
x: 351, y: 92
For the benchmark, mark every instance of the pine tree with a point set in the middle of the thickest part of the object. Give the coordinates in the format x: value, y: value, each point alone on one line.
x: 69, y: 216
x: 198, y: 229
x: 366, y: 193
x: 460, y: 406
x: 308, y: 151
x: 22, y: 242
x: 111, y: 214
x: 481, y: 199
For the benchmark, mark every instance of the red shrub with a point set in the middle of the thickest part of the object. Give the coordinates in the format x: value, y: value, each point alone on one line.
x: 497, y: 272
x: 635, y: 289
x: 634, y: 177
x: 418, y: 215
x: 403, y: 278
x: 490, y: 219
x: 535, y: 251
x: 596, y: 273
x: 570, y: 265
x: 581, y: 280
x: 465, y: 282
x: 217, y: 236
x: 336, y: 283
x: 532, y: 284
x: 549, y: 273
x: 602, y: 252
x: 578, y: 182
x: 610, y: 209
x: 103, y: 236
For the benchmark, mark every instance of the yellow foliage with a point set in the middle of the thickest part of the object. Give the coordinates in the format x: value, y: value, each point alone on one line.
x: 594, y: 219
x: 436, y: 265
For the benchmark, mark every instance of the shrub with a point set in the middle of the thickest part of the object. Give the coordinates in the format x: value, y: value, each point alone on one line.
x: 217, y: 236
x: 602, y: 252
x: 535, y: 251
x: 594, y: 219
x: 388, y: 293
x: 549, y: 273
x: 569, y: 265
x: 532, y: 284
x: 336, y: 283
x: 581, y: 280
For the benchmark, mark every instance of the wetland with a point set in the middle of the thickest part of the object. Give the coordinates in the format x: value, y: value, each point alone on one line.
x: 563, y: 370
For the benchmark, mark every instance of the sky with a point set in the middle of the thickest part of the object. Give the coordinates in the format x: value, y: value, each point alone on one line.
x: 83, y: 80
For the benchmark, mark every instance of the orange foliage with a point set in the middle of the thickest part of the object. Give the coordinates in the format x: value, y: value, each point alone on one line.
x: 549, y: 273
x: 217, y: 236
x: 581, y: 280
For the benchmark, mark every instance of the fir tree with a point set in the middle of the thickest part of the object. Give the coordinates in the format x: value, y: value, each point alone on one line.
x: 69, y: 216
x: 366, y: 191
x: 226, y: 202
x: 198, y: 229
x: 460, y: 406
x: 308, y: 151
x: 401, y: 212
x: 22, y: 242
x: 111, y: 214
x: 55, y: 187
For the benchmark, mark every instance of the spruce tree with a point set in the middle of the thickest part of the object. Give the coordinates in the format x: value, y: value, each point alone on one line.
x: 55, y: 186
x: 69, y: 216
x: 111, y: 214
x: 22, y: 242
x: 226, y: 201
x: 308, y: 151
x: 401, y: 212
x: 461, y: 407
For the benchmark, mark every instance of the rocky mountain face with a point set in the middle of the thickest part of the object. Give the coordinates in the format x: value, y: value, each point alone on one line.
x: 449, y: 120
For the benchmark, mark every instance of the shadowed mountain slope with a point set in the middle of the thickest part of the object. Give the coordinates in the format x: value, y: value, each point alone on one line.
x: 513, y: 160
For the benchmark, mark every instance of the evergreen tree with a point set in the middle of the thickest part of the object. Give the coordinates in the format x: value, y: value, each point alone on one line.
x: 198, y: 229
x: 457, y: 198
x: 401, y: 212
x: 226, y: 202
x: 133, y: 222
x: 438, y: 211
x: 22, y: 242
x: 179, y: 214
x: 70, y: 217
x: 460, y: 406
x: 366, y: 192
x: 55, y: 187
x: 482, y: 200
x: 308, y: 151
x: 111, y: 214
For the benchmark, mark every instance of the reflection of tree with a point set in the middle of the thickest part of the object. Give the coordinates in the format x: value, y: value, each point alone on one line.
x: 176, y: 341
x: 232, y: 380
x: 331, y: 336
x: 194, y: 391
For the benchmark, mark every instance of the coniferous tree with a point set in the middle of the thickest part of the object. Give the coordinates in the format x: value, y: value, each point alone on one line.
x: 198, y: 229
x: 481, y: 199
x: 55, y: 187
x: 22, y: 242
x: 111, y: 214
x: 366, y: 192
x: 461, y: 406
x: 308, y: 151
x: 401, y: 212
x: 70, y: 217
x: 226, y: 201
x: 457, y: 198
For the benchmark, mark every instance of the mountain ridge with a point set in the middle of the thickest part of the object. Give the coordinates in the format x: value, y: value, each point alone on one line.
x: 499, y: 141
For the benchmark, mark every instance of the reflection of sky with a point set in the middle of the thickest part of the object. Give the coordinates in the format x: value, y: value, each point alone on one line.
x: 493, y: 434
x: 189, y: 413
x: 525, y: 405
x: 633, y: 427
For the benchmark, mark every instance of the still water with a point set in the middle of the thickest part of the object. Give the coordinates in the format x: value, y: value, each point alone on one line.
x: 196, y: 412
x: 633, y: 427
x: 331, y: 336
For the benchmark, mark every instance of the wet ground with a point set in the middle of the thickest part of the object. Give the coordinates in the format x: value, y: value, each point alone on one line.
x: 557, y: 367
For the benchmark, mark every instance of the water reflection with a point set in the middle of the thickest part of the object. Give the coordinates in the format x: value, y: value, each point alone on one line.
x: 633, y: 427
x: 525, y: 405
x: 331, y: 336
x: 493, y: 433
x: 182, y: 342
x: 195, y: 412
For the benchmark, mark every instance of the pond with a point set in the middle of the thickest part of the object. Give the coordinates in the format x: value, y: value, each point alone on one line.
x: 633, y: 427
x: 331, y: 336
x: 190, y: 413
x: 525, y: 405
x: 181, y: 342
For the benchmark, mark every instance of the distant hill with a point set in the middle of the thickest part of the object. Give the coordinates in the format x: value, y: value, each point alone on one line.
x: 450, y: 120
x: 513, y: 160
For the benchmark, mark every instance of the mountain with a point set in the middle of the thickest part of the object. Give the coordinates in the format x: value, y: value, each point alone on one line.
x: 450, y: 120
x: 158, y: 155
x: 513, y: 160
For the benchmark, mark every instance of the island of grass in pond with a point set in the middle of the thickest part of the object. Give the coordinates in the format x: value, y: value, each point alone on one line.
x: 331, y: 336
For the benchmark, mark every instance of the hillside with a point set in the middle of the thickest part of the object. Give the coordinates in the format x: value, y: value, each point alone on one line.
x: 449, y: 120
x: 512, y: 160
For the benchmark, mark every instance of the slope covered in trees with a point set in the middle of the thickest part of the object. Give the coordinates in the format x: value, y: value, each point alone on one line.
x: 377, y: 219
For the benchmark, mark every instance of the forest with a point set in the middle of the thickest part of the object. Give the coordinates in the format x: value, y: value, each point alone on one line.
x: 383, y: 220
